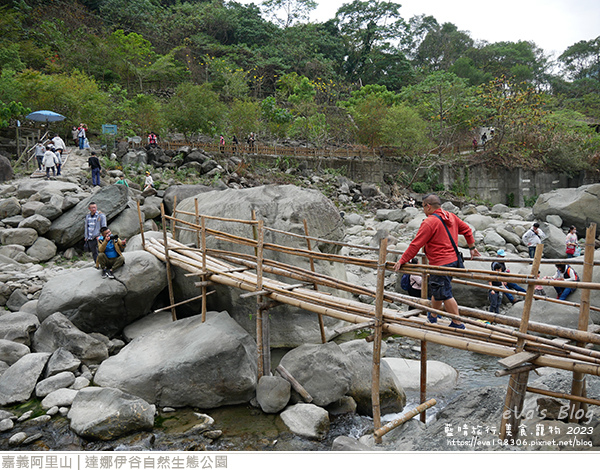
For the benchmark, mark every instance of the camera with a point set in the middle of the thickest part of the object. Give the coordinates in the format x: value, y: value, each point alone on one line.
x: 114, y: 237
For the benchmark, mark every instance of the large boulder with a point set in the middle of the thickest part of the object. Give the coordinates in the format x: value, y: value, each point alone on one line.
x: 187, y: 363
x: 127, y: 223
x: 9, y: 207
x: 322, y: 369
x: 42, y: 249
x: 575, y: 206
x: 57, y: 331
x: 18, y: 382
x: 176, y: 194
x: 30, y: 187
x: 392, y: 398
x: 280, y: 207
x: 11, y: 352
x: 105, y: 306
x: 68, y: 229
x: 440, y: 376
x: 107, y: 413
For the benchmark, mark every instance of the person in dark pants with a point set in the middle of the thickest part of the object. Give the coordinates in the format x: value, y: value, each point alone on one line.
x: 494, y: 295
x: 94, y: 221
x: 95, y: 166
x: 509, y: 285
x: 434, y: 234
x: 110, y: 252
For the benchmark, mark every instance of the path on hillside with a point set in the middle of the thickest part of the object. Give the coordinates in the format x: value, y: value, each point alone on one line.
x: 74, y: 162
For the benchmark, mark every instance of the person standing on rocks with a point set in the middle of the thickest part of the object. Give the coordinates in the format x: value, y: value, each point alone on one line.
x: 39, y: 155
x: 49, y: 161
x: 59, y: 144
x: 95, y: 166
x: 81, y: 135
x: 94, y: 221
x: 533, y: 237
x: 438, y: 233
x: 571, y: 242
x: 110, y: 252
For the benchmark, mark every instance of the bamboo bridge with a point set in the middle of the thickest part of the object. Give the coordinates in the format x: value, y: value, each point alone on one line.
x: 520, y: 344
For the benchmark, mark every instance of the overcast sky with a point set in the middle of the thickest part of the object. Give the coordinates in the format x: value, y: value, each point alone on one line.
x: 553, y: 25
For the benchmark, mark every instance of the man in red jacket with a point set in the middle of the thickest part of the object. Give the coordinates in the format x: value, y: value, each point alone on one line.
x: 440, y: 252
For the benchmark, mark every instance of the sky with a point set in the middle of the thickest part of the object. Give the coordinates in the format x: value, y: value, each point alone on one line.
x: 553, y: 25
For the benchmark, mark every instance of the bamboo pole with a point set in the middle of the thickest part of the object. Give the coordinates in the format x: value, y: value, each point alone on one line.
x: 203, y: 246
x: 141, y: 225
x: 174, y: 219
x: 378, y: 337
x: 578, y: 386
x: 414, y: 332
x: 168, y: 263
x: 315, y: 285
x: 423, y: 352
x: 379, y: 433
x: 515, y: 395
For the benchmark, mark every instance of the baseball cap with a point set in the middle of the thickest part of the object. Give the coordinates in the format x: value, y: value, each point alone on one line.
x: 501, y: 252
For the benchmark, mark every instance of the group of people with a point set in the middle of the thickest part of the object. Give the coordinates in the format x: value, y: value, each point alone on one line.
x: 79, y: 135
x: 438, y: 235
x: 106, y: 248
x: 49, y: 155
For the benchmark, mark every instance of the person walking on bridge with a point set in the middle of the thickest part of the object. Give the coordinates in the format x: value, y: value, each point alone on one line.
x: 438, y: 233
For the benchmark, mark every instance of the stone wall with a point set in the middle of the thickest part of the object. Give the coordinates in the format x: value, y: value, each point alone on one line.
x: 492, y: 185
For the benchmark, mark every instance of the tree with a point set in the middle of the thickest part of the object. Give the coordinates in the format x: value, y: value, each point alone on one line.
x: 287, y: 12
x: 582, y: 60
x: 12, y: 111
x: 442, y: 46
x: 196, y: 108
x: 403, y: 128
x: 447, y: 103
x: 370, y: 30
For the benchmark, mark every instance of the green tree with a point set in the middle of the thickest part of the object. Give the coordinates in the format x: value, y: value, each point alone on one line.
x: 402, y: 127
x: 243, y: 117
x: 582, y: 60
x: 447, y: 103
x: 196, y: 108
x: 442, y: 46
x: 12, y: 111
x: 287, y: 12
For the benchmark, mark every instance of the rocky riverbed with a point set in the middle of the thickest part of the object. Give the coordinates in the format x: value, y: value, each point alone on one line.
x: 85, y: 364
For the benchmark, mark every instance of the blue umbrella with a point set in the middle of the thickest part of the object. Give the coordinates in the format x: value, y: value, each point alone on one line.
x: 45, y: 116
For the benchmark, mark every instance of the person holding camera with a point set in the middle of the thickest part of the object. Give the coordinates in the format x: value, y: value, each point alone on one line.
x: 110, y: 252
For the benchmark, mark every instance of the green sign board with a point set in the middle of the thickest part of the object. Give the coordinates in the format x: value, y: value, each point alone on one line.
x: 109, y: 129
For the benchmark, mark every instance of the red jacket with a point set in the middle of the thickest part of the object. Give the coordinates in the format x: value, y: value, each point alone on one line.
x: 433, y: 236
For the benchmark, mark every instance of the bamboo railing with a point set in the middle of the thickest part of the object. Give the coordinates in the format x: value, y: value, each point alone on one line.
x: 487, y: 333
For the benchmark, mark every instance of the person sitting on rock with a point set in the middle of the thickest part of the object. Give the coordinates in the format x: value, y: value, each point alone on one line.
x: 110, y: 252
x: 564, y: 272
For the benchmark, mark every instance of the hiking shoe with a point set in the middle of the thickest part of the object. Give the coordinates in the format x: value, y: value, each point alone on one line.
x: 110, y: 274
x: 431, y: 318
x: 104, y: 274
x: 457, y: 326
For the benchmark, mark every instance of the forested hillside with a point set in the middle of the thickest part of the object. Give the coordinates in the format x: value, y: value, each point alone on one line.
x: 368, y: 76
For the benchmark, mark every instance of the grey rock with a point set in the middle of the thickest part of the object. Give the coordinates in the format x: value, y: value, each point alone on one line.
x: 6, y: 424
x: 392, y: 397
x: 78, y: 293
x: 68, y: 229
x: 37, y: 222
x: 322, y: 369
x: 17, y: 439
x: 108, y: 413
x: 58, y: 331
x: 9, y: 207
x: 11, y: 352
x: 273, y: 393
x: 307, y: 420
x: 349, y: 444
x: 18, y: 382
x: 18, y: 236
x: 42, y: 249
x: 18, y: 327
x: 187, y: 363
x: 56, y: 382
x: 16, y: 300
x: 61, y: 397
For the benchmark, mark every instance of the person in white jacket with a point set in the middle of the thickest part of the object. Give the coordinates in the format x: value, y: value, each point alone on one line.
x: 49, y: 161
x: 533, y: 237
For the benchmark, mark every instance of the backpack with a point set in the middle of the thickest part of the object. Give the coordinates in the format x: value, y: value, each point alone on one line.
x: 405, y: 282
x: 576, y: 277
